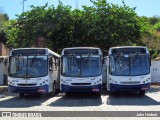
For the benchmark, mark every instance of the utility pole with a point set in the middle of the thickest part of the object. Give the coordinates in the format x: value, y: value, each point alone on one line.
x: 23, y: 5
x: 77, y: 4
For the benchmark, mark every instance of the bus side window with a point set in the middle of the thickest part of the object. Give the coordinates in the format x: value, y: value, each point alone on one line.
x: 56, y: 63
x: 50, y: 63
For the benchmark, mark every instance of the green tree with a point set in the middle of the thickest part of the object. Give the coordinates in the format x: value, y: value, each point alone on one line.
x: 3, y: 18
x: 103, y: 25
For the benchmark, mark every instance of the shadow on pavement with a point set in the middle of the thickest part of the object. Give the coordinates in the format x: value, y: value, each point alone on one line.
x: 131, y: 98
x: 154, y: 88
x: 14, y: 101
x: 78, y: 100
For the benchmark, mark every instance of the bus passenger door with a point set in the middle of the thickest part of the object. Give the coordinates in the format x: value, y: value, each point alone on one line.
x: 51, y: 79
x: 107, y: 64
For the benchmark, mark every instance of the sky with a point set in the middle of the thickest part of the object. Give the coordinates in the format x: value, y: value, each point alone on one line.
x: 148, y: 8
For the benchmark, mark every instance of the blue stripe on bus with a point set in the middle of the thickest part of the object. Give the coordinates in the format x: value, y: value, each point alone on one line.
x: 18, y: 89
x: 118, y: 87
x: 93, y: 88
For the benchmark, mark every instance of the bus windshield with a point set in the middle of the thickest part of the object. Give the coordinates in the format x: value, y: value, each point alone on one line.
x: 81, y: 66
x: 129, y: 64
x: 28, y: 66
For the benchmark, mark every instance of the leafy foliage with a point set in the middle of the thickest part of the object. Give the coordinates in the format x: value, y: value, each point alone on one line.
x: 103, y: 25
x: 3, y: 18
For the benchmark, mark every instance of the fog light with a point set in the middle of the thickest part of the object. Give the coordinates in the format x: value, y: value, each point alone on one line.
x: 143, y: 81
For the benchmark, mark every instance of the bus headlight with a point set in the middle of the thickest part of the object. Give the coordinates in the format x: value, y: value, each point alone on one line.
x: 99, y: 81
x: 112, y: 81
x: 63, y: 81
x: 148, y: 79
x: 10, y: 83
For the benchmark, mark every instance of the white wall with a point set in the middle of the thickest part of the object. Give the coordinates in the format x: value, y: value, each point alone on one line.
x: 1, y: 71
x: 155, y: 71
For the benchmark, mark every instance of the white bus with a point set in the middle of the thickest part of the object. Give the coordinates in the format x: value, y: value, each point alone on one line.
x: 33, y: 70
x: 81, y: 70
x: 128, y: 69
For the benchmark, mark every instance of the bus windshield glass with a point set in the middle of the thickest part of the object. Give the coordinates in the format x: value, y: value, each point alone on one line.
x: 81, y: 66
x: 28, y: 66
x: 129, y: 64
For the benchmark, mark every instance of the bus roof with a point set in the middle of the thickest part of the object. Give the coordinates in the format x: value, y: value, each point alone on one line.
x: 81, y: 48
x: 128, y: 48
x: 48, y: 50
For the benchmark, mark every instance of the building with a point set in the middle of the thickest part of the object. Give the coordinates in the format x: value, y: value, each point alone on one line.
x: 4, y: 50
x: 4, y: 53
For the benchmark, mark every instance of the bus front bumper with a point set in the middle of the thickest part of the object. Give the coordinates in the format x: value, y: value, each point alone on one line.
x: 93, y: 88
x: 33, y: 89
x: 117, y: 87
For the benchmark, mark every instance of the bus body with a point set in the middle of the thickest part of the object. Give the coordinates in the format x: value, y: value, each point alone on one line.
x: 128, y: 69
x: 81, y: 70
x: 33, y: 70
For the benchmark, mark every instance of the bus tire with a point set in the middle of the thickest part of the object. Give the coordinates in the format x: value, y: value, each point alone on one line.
x: 142, y: 92
x: 98, y: 94
x: 21, y: 94
x: 67, y: 93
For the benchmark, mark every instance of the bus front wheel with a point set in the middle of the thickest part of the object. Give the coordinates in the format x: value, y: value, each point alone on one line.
x: 142, y: 92
x: 21, y: 94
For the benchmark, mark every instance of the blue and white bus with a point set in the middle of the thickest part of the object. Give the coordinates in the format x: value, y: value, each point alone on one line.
x: 33, y: 70
x: 81, y: 70
x: 128, y: 69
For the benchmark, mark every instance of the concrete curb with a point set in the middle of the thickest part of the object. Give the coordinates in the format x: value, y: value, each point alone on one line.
x: 3, y: 88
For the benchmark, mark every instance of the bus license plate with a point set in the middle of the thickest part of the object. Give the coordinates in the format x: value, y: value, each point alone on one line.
x: 41, y: 90
x: 95, y: 90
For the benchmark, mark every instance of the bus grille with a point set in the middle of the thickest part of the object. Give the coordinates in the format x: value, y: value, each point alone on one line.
x: 27, y: 84
x: 81, y: 88
x: 80, y: 83
x: 130, y: 82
